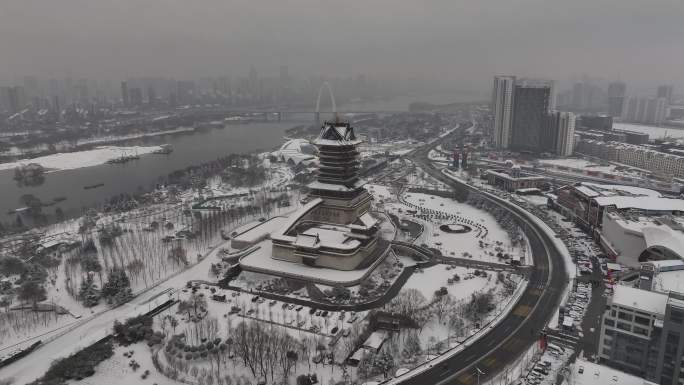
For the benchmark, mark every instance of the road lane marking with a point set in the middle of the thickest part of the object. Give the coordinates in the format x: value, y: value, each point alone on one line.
x: 535, y: 292
x: 489, y: 362
x: 522, y: 310
x: 465, y: 378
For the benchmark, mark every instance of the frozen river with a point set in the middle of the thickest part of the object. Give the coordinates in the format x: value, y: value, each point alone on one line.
x: 189, y: 149
x: 141, y: 174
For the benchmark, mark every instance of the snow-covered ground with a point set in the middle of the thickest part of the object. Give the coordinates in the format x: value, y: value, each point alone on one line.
x: 379, y: 192
x: 153, y: 288
x: 399, y: 147
x: 437, y: 156
x: 503, y: 308
x: 431, y: 279
x: 278, y: 175
x: 578, y: 165
x: 137, y: 242
x: 80, y: 159
x: 92, y: 328
x: 483, y: 247
x: 117, y: 370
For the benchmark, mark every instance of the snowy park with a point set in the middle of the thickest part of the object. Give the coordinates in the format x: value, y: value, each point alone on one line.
x: 219, y: 324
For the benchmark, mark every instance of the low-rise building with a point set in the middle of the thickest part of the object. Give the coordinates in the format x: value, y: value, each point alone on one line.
x: 641, y: 334
x: 631, y: 330
x: 585, y: 372
x: 513, y: 179
x: 586, y: 202
x: 632, y: 237
x: 660, y: 163
x: 663, y: 276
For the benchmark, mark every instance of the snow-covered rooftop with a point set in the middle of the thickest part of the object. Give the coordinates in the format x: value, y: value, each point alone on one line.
x: 644, y: 300
x: 251, y: 233
x: 333, y: 237
x: 297, y: 151
x: 375, y: 340
x: 307, y: 241
x: 335, y: 187
x: 260, y: 260
x: 335, y: 134
x: 667, y: 281
x: 365, y: 221
x: 667, y: 264
x: 618, y: 189
x: 505, y: 175
x: 642, y: 203
x: 292, y: 220
x: 664, y: 236
x: 587, y: 191
x: 589, y: 373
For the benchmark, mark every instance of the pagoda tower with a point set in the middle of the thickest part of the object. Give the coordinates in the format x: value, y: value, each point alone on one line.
x: 338, y: 182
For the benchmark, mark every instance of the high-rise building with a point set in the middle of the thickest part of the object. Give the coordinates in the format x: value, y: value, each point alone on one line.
x: 616, y: 98
x: 185, y: 92
x: 285, y: 83
x: 578, y: 96
x: 665, y: 91
x: 12, y: 99
x: 253, y: 82
x: 81, y: 91
x: 532, y: 100
x: 588, y: 97
x: 31, y: 87
x: 124, y: 94
x: 284, y: 76
x: 561, y: 130
x: 645, y: 110
x: 136, y: 97
x: 502, y: 110
x: 564, y: 99
x: 151, y: 96
x: 656, y: 111
x: 596, y: 122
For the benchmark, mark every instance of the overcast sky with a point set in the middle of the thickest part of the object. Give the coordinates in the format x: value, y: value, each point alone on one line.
x: 461, y: 42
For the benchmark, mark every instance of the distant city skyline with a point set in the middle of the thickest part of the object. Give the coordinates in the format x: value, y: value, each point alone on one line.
x: 461, y: 45
x: 565, y: 89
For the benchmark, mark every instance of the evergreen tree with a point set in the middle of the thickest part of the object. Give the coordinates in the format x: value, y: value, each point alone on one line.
x: 365, y: 367
x: 412, y: 345
x: 88, y: 293
x: 384, y: 363
x: 31, y: 291
x: 117, y: 289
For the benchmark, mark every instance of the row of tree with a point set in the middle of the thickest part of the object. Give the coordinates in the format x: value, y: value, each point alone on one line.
x: 115, y: 291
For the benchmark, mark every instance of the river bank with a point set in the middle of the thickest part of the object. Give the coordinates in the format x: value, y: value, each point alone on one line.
x: 139, y: 175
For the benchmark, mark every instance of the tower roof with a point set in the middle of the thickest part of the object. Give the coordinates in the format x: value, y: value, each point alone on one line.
x: 336, y: 133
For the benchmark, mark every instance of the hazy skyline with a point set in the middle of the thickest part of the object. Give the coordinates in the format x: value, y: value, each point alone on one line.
x: 461, y: 43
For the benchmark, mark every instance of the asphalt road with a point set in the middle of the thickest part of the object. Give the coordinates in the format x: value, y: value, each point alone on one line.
x: 513, y: 336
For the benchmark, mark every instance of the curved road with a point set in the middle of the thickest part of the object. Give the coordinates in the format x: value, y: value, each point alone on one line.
x: 514, y: 334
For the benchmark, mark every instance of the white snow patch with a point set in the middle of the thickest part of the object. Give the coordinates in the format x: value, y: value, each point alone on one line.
x: 80, y: 159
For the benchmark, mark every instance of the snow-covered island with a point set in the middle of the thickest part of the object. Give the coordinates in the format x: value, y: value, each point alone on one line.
x: 80, y: 159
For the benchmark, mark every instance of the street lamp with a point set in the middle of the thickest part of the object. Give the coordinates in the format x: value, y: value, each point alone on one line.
x: 479, y: 373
